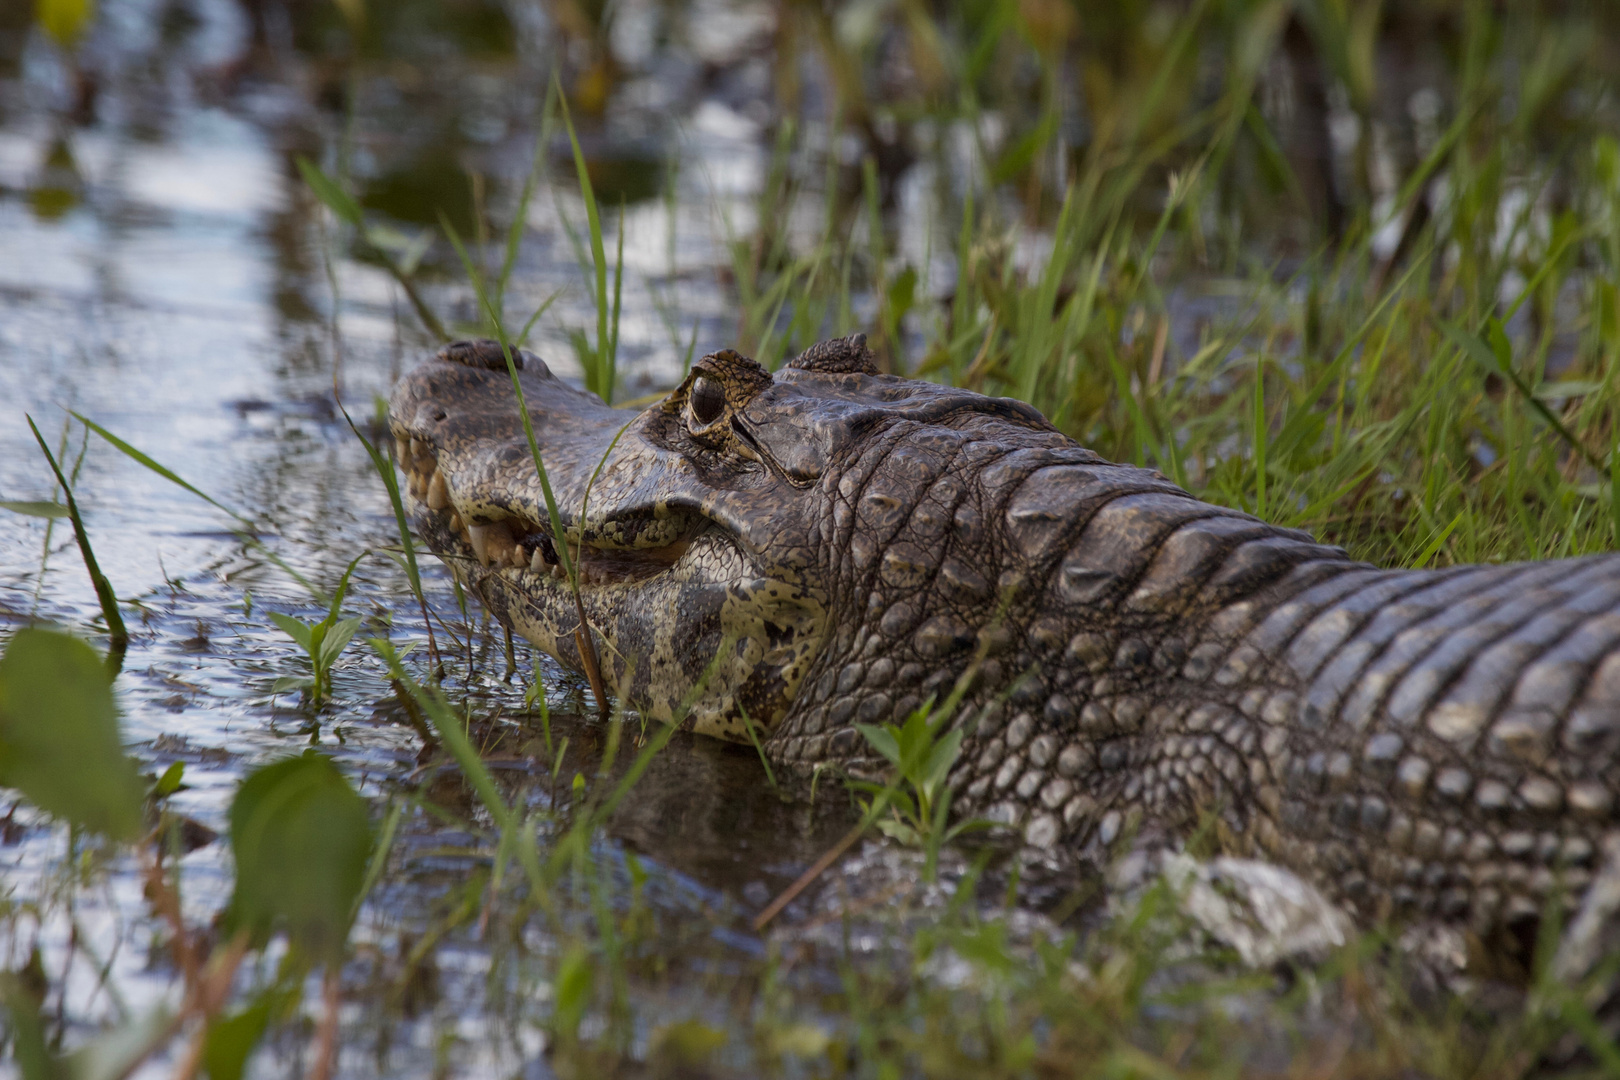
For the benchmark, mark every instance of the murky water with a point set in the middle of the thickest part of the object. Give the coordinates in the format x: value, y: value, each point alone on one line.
x: 163, y: 272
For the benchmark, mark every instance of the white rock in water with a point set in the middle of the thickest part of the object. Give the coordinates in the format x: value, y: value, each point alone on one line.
x: 1262, y: 911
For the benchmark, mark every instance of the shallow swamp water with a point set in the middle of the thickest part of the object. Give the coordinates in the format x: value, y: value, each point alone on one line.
x: 161, y: 272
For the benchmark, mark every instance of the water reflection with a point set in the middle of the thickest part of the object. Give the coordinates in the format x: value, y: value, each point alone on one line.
x: 164, y: 271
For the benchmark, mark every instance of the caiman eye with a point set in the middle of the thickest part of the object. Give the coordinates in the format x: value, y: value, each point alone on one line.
x: 706, y: 401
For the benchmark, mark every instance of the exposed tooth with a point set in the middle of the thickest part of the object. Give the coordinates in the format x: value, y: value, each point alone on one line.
x: 413, y: 483
x: 558, y: 572
x: 402, y: 451
x: 498, y: 542
x: 456, y: 523
x: 438, y: 492
x: 518, y: 559
x: 478, y: 536
x: 537, y: 562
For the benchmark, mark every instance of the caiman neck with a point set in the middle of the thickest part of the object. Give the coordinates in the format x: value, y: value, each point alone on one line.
x: 1064, y: 581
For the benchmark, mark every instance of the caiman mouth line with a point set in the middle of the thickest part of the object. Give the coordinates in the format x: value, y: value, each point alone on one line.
x: 521, y: 544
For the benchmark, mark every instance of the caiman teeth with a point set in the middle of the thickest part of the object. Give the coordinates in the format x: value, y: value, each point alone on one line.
x: 438, y: 492
x: 520, y: 544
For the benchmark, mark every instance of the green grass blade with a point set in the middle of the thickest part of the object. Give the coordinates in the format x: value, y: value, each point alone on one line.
x: 329, y: 192
x: 603, y: 378
x: 168, y: 474
x: 40, y: 508
x: 117, y: 634
x: 390, y: 479
x: 1260, y: 435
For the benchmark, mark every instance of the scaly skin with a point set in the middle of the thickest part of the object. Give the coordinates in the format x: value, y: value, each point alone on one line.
x: 833, y: 547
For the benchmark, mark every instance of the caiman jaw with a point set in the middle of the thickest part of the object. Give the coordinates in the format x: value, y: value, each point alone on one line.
x: 522, y: 544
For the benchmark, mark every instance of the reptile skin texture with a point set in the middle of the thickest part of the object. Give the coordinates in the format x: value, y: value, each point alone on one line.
x: 1134, y: 662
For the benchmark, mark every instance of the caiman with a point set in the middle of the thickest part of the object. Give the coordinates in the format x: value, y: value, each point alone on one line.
x: 825, y: 547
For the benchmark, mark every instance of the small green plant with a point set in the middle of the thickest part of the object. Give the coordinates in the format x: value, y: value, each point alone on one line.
x: 921, y: 751
x: 323, y: 642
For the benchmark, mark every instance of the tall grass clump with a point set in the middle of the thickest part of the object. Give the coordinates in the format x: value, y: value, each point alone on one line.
x: 1348, y: 267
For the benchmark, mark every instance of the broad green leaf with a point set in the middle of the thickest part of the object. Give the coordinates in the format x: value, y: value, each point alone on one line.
x: 65, y: 20
x: 169, y: 782
x: 317, y: 634
x: 301, y: 837
x: 231, y: 1039
x: 882, y: 740
x: 291, y: 682
x: 59, y: 741
x: 940, y: 760
x: 897, y: 830
x: 29, y: 1049
x: 34, y: 508
x: 337, y: 638
x: 575, y: 976
x: 326, y: 189
x: 301, y: 632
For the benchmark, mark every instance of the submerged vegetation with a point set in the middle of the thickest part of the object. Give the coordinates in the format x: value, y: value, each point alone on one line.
x: 1353, y: 267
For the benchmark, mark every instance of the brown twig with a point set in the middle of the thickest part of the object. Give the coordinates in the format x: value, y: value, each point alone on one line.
x: 326, y: 1041
x: 1156, y: 366
x: 818, y: 868
x: 587, y: 654
x: 167, y: 905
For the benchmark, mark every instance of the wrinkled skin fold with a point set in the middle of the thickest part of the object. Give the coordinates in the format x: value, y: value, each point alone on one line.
x: 828, y: 546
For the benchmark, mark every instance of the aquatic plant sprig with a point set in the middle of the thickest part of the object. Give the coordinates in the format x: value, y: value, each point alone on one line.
x: 600, y: 359
x: 245, y: 529
x: 341, y: 203
x: 323, y: 641
x: 118, y: 635
x: 390, y: 479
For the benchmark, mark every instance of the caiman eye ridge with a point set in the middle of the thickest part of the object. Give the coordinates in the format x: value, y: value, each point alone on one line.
x: 521, y: 544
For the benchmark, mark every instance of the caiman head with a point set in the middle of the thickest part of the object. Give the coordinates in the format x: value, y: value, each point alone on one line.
x: 713, y: 530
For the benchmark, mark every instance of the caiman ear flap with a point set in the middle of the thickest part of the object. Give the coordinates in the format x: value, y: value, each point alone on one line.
x: 839, y: 356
